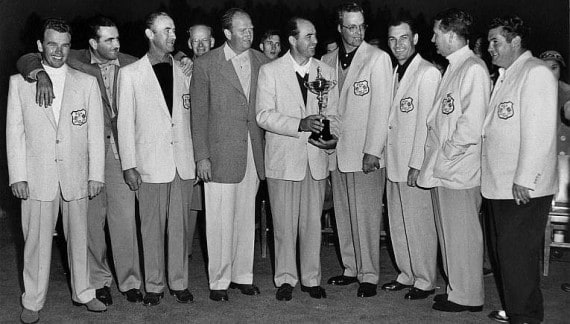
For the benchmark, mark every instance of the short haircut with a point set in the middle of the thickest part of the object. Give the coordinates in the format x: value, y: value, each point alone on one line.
x: 57, y: 24
x: 228, y: 16
x: 455, y: 20
x: 292, y: 27
x: 97, y: 22
x: 191, y: 29
x: 512, y: 26
x: 404, y: 19
x: 268, y: 34
x: 347, y: 7
x: 151, y: 18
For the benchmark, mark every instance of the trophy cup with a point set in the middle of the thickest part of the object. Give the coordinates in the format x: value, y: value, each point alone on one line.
x: 321, y: 87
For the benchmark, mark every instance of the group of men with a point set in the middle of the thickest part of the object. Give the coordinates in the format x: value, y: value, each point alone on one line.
x: 152, y: 128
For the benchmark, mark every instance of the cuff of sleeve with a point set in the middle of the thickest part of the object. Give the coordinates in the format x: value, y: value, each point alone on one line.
x: 34, y: 74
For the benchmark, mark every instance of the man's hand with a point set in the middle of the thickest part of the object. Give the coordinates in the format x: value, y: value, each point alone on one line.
x: 20, y: 190
x: 132, y: 178
x: 44, y: 90
x: 370, y: 163
x: 311, y: 123
x: 187, y: 66
x: 521, y: 194
x: 204, y: 170
x: 95, y: 188
x: 413, y: 177
x: 325, y: 145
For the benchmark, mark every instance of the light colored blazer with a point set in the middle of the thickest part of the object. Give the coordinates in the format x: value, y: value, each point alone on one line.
x: 519, y: 137
x: 407, y: 128
x: 47, y: 154
x: 455, y: 123
x: 363, y: 106
x: 150, y: 139
x: 280, y: 108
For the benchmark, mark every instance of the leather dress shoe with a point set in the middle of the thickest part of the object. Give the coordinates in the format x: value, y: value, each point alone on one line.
x: 342, y: 280
x: 182, y: 296
x: 416, y: 293
x: 451, y: 307
x: 366, y: 289
x: 285, y: 292
x: 245, y: 289
x: 94, y: 305
x: 152, y: 299
x: 499, y: 316
x: 394, y: 286
x: 104, y: 295
x: 133, y: 295
x: 219, y: 295
x: 440, y: 298
x: 565, y: 287
x: 315, y: 292
x: 29, y: 316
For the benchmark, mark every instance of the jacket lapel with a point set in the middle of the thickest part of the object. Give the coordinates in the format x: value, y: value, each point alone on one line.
x: 408, y: 77
x: 228, y: 71
x: 355, y: 66
x: 155, y: 88
x: 290, y: 77
x: 69, y: 90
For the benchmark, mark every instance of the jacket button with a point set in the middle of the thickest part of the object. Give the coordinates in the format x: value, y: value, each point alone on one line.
x: 390, y: 127
x: 57, y: 141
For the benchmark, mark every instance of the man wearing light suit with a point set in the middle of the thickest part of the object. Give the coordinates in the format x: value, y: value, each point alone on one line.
x: 155, y: 144
x: 358, y: 176
x: 452, y: 162
x: 229, y: 152
x: 296, y: 167
x: 55, y: 160
x: 412, y: 225
x: 116, y: 203
x: 519, y: 174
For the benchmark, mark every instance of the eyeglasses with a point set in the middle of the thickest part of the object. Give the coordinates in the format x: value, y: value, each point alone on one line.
x: 356, y: 28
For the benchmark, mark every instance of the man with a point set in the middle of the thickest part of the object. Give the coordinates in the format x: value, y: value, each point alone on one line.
x: 363, y: 73
x: 157, y: 158
x: 452, y: 162
x: 55, y: 158
x: 229, y: 153
x: 116, y: 203
x: 296, y: 167
x: 519, y: 175
x: 410, y: 212
x: 270, y: 44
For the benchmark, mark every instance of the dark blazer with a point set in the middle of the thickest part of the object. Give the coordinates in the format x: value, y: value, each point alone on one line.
x: 222, y: 116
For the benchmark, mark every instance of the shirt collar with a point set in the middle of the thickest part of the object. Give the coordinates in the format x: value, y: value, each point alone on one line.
x: 459, y: 55
x: 301, y: 69
x: 51, y: 71
x: 344, y: 57
x: 230, y: 54
x: 98, y: 61
x: 402, y: 68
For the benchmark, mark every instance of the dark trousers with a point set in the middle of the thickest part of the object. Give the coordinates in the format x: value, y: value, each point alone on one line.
x: 516, y: 239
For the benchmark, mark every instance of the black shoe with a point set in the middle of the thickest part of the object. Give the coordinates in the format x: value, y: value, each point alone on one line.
x: 219, y: 295
x: 134, y: 295
x: 182, y: 296
x: 394, y: 286
x: 245, y: 289
x: 416, y: 293
x: 152, y: 299
x: 366, y: 289
x: 315, y: 291
x: 451, y: 307
x: 565, y: 287
x: 285, y: 292
x: 499, y: 316
x: 342, y: 280
x: 440, y: 298
x: 104, y: 295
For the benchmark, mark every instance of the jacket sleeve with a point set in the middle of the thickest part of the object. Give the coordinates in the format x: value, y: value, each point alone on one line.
x: 126, y: 120
x: 29, y: 65
x: 15, y: 135
x: 200, y: 103
x: 95, y: 133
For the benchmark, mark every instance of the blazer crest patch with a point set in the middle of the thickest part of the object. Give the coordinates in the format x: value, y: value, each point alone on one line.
x: 78, y: 117
x: 505, y: 110
x: 407, y: 105
x: 186, y: 101
x: 361, y: 88
x: 447, y: 104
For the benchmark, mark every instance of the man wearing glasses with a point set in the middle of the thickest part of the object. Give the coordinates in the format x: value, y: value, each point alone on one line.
x: 358, y: 176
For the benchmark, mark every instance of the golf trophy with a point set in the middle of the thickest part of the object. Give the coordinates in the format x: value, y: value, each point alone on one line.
x: 321, y: 87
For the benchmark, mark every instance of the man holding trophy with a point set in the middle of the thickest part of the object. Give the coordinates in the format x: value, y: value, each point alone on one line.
x: 289, y: 107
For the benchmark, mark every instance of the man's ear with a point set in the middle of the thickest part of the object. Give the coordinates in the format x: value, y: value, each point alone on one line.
x: 516, y: 42
x: 415, y: 39
x: 261, y: 46
x: 40, y: 47
x: 149, y: 34
x: 212, y: 42
x: 228, y: 34
x: 93, y: 43
x: 189, y: 43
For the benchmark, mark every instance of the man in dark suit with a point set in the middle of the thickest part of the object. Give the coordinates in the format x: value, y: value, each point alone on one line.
x: 228, y: 150
x: 116, y: 204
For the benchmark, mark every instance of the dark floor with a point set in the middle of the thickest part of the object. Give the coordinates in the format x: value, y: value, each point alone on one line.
x: 342, y: 305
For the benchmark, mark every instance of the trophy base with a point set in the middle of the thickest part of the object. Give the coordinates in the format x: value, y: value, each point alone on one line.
x: 325, y: 134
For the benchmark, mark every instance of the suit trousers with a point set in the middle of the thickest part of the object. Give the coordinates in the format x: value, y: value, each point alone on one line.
x: 516, y: 240
x: 461, y: 242
x: 196, y: 206
x: 38, y: 224
x: 413, y: 234
x: 296, y: 207
x: 116, y: 205
x: 357, y: 201
x: 230, y: 228
x: 163, y: 208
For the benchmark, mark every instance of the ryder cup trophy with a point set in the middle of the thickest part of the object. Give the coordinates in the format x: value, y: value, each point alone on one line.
x: 321, y: 88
